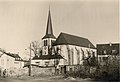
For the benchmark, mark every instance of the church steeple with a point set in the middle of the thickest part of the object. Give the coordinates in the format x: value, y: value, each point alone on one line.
x: 49, y: 30
x: 49, y: 38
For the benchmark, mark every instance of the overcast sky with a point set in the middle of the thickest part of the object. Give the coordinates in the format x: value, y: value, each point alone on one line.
x: 24, y: 21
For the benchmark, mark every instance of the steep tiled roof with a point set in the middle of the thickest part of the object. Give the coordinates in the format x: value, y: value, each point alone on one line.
x: 67, y: 39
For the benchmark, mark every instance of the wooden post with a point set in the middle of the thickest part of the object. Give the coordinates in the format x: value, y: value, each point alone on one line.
x: 30, y: 62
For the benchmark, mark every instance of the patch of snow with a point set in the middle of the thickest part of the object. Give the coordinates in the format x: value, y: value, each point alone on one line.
x: 87, y: 79
x: 70, y: 78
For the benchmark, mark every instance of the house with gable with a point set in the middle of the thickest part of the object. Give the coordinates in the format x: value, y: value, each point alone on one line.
x: 106, y: 51
x: 10, y: 62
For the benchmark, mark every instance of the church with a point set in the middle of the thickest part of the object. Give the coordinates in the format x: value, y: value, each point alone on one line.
x: 65, y: 52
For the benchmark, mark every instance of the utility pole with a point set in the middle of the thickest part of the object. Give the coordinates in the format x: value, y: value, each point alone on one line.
x: 30, y: 62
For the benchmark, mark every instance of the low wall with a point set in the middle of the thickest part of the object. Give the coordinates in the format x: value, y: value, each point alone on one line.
x: 44, y: 71
x: 14, y: 72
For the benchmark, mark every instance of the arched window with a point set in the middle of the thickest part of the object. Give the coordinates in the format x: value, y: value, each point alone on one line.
x: 72, y: 56
x: 45, y: 42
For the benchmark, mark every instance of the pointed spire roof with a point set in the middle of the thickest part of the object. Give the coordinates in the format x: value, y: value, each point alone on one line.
x: 49, y: 30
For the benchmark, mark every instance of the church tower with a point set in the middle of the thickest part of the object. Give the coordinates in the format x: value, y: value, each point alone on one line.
x: 49, y: 37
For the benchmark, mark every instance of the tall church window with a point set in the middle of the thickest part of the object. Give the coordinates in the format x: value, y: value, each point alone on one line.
x: 78, y: 55
x: 68, y: 50
x: 72, y: 57
x: 45, y: 42
x: 83, y: 54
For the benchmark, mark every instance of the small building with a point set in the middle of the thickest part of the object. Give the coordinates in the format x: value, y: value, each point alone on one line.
x: 12, y: 63
x: 105, y: 51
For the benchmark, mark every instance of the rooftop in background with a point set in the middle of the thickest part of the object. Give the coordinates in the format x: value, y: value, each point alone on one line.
x: 68, y: 39
x: 16, y: 56
x: 108, y: 49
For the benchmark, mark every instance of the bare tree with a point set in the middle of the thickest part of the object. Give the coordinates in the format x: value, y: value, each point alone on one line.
x: 36, y: 49
x: 56, y: 52
x: 90, y: 60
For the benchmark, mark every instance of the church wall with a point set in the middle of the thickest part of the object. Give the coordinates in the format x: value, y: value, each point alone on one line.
x: 64, y: 53
x: 36, y: 71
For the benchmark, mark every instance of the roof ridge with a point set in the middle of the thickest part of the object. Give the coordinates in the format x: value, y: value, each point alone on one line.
x: 73, y: 40
x: 73, y: 35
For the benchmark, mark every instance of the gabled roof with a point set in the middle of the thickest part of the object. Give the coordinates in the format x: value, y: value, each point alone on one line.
x: 13, y: 55
x: 68, y: 39
x: 16, y: 56
x: 108, y: 49
x: 49, y: 30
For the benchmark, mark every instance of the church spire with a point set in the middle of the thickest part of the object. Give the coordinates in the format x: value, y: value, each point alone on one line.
x: 49, y: 30
x: 49, y: 25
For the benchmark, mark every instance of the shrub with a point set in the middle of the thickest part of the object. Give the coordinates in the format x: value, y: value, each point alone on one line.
x: 108, y: 72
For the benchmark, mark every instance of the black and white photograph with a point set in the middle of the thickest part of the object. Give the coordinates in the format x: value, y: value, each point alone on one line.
x: 59, y: 41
